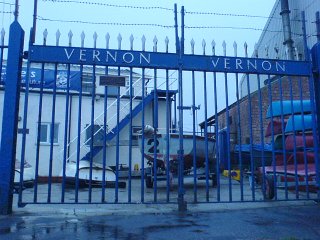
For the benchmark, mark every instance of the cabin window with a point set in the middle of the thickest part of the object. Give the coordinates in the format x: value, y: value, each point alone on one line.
x: 98, y: 135
x: 45, y: 133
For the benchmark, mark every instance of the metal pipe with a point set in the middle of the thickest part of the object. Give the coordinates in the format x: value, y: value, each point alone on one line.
x: 34, y: 25
x: 16, y: 10
x: 285, y: 14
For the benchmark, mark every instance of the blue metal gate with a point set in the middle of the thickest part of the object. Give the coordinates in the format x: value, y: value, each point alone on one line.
x: 107, y: 125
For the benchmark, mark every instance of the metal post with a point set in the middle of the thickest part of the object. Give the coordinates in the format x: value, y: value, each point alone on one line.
x: 10, y: 117
x: 181, y: 203
x: 34, y: 25
x: 285, y: 13
x: 318, y: 25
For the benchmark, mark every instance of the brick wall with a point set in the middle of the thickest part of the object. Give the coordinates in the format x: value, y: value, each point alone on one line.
x: 259, y: 107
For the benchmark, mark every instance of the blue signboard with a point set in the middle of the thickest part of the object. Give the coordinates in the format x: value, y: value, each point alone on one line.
x: 48, y: 78
x: 142, y: 59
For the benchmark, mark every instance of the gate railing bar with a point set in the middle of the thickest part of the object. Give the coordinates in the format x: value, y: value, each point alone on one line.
x: 79, y: 135
x: 130, y: 138
x: 65, y: 143
x: 117, y: 139
x: 261, y: 134
x: 252, y: 166
x: 143, y: 137
x: 284, y: 152
x: 53, y: 113
x: 239, y: 128
x: 194, y: 136
x: 35, y: 196
x: 155, y: 125
x: 228, y: 125
x: 104, y: 156
x: 168, y: 126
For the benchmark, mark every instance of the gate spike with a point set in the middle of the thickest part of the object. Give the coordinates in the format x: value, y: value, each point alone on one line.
x: 166, y: 41
x: 155, y: 43
x: 3, y: 33
x: 203, y: 47
x: 286, y: 53
x: 143, y: 40
x: 276, y: 49
x: 192, y: 46
x: 266, y: 48
x: 45, y: 35
x: 70, y: 35
x: 297, y: 53
x: 95, y: 37
x: 213, y: 45
x: 107, y: 40
x: 119, y: 41
x: 58, y: 34
x: 245, y: 49
x: 256, y: 53
x: 235, y: 48
x: 224, y: 45
x: 131, y: 42
x: 82, y: 36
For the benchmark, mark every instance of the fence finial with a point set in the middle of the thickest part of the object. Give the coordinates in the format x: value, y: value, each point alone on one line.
x: 45, y: 36
x: 266, y: 48
x: 224, y: 45
x: 276, y: 49
x: 95, y: 37
x: 204, y: 47
x: 235, y: 48
x: 155, y: 44
x: 131, y: 41
x: 119, y: 41
x: 3, y: 33
x: 82, y: 36
x: 143, y: 41
x: 245, y: 49
x: 296, y: 53
x: 107, y: 40
x: 70, y: 35
x: 213, y: 45
x: 166, y: 41
x: 256, y: 52
x: 58, y: 34
x: 192, y: 42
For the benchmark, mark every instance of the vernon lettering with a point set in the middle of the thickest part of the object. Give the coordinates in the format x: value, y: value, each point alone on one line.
x: 107, y: 56
x: 238, y: 64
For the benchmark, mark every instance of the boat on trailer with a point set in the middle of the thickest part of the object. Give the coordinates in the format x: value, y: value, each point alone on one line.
x: 155, y: 150
x: 99, y: 175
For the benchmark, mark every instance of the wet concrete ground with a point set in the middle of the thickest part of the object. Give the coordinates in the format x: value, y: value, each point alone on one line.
x: 284, y: 220
x: 296, y: 221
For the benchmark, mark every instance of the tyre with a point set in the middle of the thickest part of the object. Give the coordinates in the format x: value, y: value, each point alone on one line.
x: 149, y: 182
x: 268, y: 190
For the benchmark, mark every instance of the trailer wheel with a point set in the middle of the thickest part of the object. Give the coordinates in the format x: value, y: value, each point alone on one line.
x: 268, y: 188
x: 214, y: 180
x: 149, y: 182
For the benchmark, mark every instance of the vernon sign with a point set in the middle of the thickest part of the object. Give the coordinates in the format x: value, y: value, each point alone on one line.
x: 142, y: 59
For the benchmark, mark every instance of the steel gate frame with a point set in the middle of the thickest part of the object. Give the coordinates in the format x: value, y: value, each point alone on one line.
x: 143, y: 60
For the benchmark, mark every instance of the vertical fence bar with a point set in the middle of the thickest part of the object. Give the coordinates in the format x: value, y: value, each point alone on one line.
x: 252, y: 165
x: 130, y: 136
x: 35, y: 194
x: 142, y: 135
x: 194, y: 139
x: 65, y: 142
x: 78, y: 136
x: 155, y: 140
x: 206, y: 133
x: 105, y: 132
x: 283, y: 139
x: 52, y: 127
x: 117, y: 143
x: 168, y: 115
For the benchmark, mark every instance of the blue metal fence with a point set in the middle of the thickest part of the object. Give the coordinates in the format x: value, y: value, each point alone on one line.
x: 269, y: 148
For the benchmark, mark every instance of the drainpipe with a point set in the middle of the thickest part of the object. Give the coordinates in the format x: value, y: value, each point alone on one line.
x: 285, y: 14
